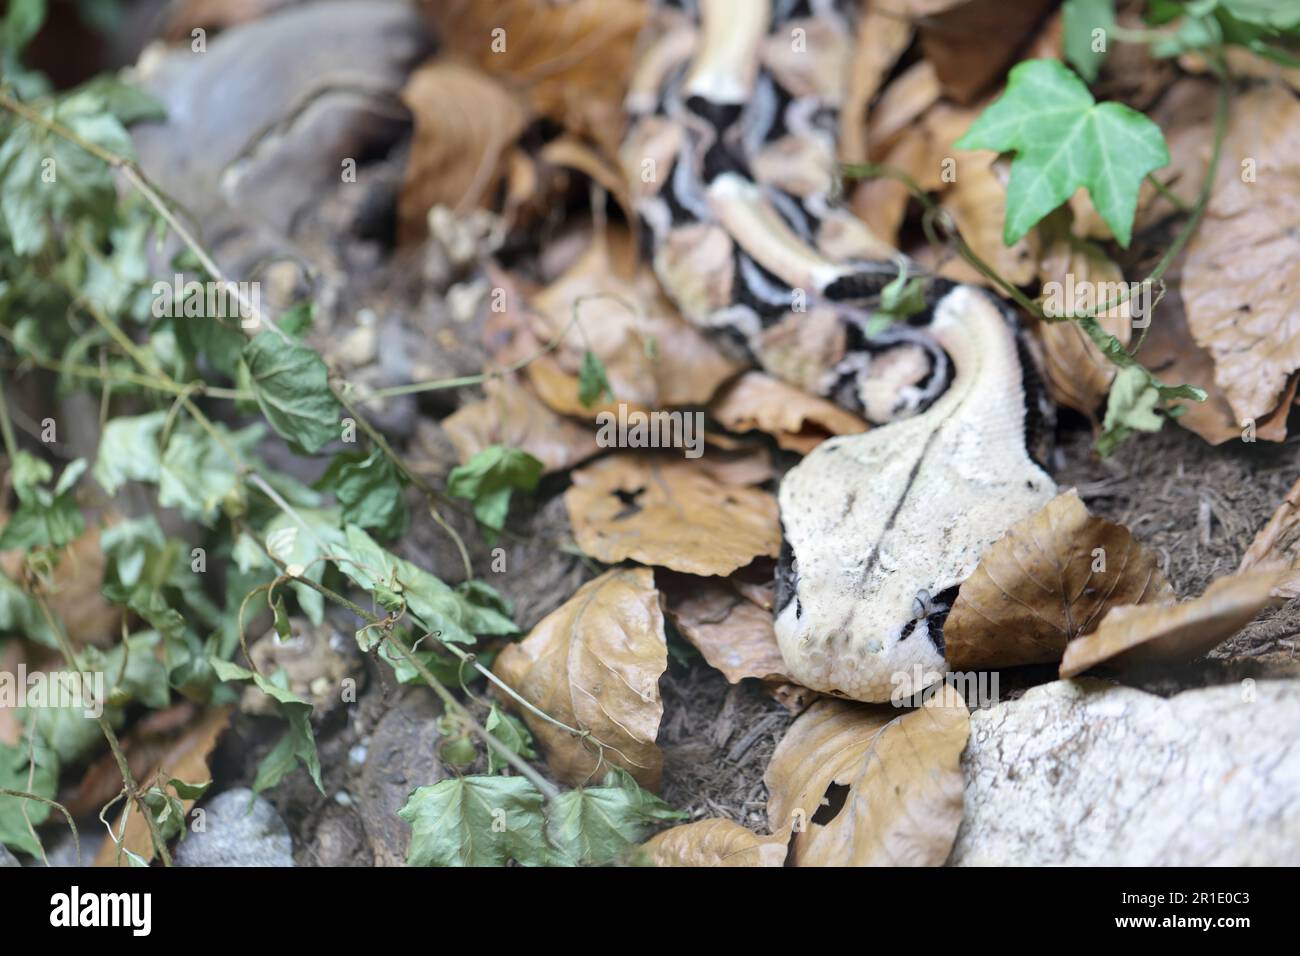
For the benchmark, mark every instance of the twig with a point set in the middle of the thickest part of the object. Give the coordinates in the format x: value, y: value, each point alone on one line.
x: 65, y: 646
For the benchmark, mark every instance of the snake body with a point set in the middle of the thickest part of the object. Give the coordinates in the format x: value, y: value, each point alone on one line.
x: 735, y: 108
x: 731, y: 155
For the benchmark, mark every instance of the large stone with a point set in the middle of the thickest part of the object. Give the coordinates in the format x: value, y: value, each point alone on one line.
x: 1088, y: 773
x: 236, y: 833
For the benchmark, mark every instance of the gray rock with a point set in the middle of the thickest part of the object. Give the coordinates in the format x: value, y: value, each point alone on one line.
x: 402, y: 755
x: 1082, y: 773
x: 7, y: 858
x: 236, y: 835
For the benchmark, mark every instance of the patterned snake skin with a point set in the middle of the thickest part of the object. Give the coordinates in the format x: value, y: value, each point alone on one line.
x: 732, y: 157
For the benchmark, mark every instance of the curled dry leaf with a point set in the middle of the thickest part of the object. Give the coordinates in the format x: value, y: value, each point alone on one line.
x: 884, y: 32
x: 1050, y: 578
x: 977, y: 202
x: 1078, y: 375
x: 913, y: 92
x: 972, y: 42
x: 594, y: 663
x: 570, y: 60
x: 465, y: 124
x: 1157, y: 633
x: 733, y: 633
x: 652, y: 356
x: 510, y: 414
x: 187, y: 760
x: 75, y: 596
x: 867, y: 786
x: 666, y: 512
x: 799, y: 421
x: 1279, y: 541
x: 717, y: 842
x: 1243, y: 263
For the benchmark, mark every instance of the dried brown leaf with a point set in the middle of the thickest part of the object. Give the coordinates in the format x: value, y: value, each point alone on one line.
x: 1243, y: 262
x: 977, y: 202
x: 909, y: 95
x: 898, y: 774
x: 733, y: 633
x: 1158, y: 633
x: 1279, y: 542
x: 1078, y: 375
x: 1050, y: 578
x: 799, y: 421
x: 571, y: 61
x: 510, y: 414
x: 719, y: 842
x: 972, y: 42
x: 465, y: 124
x: 884, y: 32
x: 665, y: 511
x: 74, y: 592
x: 652, y: 356
x: 594, y: 663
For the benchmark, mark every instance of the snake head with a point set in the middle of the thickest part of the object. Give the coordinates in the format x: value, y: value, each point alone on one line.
x: 882, y: 527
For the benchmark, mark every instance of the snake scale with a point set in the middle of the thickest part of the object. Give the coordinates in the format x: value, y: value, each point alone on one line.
x: 731, y: 154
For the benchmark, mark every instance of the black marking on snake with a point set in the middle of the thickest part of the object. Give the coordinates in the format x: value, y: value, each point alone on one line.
x: 898, y: 505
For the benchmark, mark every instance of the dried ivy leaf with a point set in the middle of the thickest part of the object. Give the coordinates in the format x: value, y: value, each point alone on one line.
x: 594, y: 663
x: 476, y: 821
x: 291, y: 385
x: 717, y: 842
x: 569, y: 60
x: 1153, y: 633
x: 1050, y: 578
x: 665, y: 511
x: 865, y: 785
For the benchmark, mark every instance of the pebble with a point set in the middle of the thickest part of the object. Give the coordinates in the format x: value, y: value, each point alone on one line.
x: 236, y: 835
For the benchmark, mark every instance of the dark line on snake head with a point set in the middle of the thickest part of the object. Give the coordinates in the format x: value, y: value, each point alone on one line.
x: 898, y: 505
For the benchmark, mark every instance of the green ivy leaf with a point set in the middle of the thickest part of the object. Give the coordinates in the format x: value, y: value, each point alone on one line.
x: 129, y: 451
x: 1063, y: 139
x: 197, y: 475
x: 594, y: 825
x: 14, y: 768
x: 45, y: 517
x: 457, y: 615
x: 21, y: 616
x: 297, y: 746
x: 21, y: 22
x: 512, y: 732
x: 489, y: 478
x: 291, y: 384
x: 1079, y: 18
x: 369, y: 490
x: 477, y: 821
x: 593, y: 383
